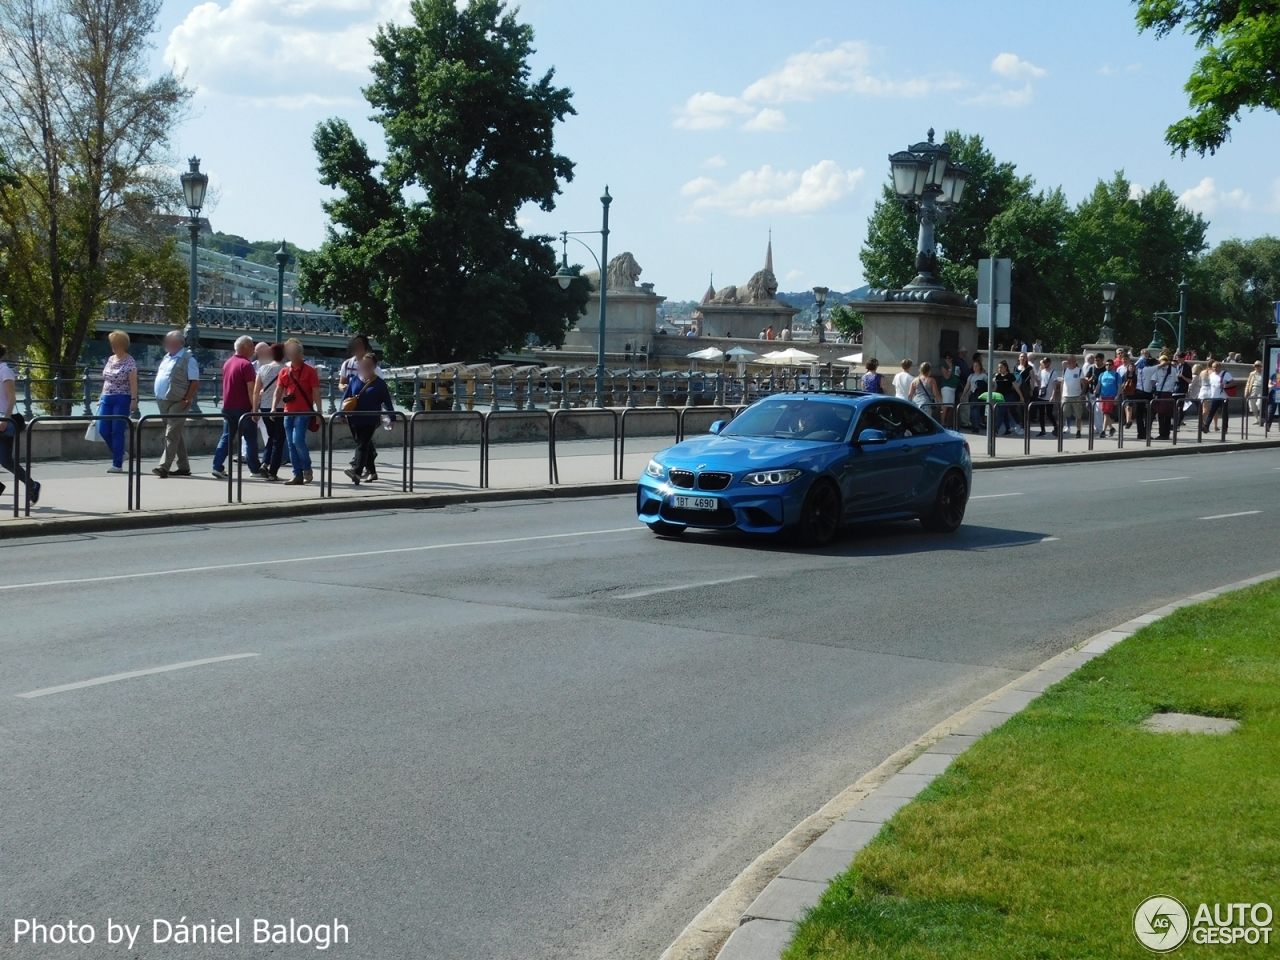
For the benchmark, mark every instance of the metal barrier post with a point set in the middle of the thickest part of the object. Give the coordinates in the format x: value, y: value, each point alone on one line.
x: 411, y: 433
x: 69, y: 418
x: 554, y: 464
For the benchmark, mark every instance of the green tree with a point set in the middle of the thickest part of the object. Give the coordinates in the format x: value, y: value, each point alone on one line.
x: 846, y: 319
x: 888, y: 254
x: 1031, y: 231
x: 84, y: 132
x: 423, y: 250
x: 1239, y: 70
x: 1242, y: 280
x: 1143, y: 241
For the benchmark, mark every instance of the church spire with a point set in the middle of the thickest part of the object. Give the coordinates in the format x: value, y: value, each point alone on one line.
x: 711, y: 290
x: 768, y: 254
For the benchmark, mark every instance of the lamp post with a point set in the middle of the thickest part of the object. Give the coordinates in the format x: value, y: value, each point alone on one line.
x: 1107, y: 334
x: 282, y: 259
x: 194, y: 185
x: 1181, y: 313
x: 565, y: 277
x: 929, y: 187
x: 819, y: 334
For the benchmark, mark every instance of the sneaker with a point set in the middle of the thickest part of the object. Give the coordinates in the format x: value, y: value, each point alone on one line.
x: 371, y: 475
x: 1040, y: 434
x: 180, y: 473
x: 33, y: 491
x: 160, y: 472
x: 269, y: 476
x: 355, y: 477
x: 114, y: 469
x: 220, y: 474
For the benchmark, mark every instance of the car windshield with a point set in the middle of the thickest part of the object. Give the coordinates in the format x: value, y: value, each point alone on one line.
x: 793, y: 419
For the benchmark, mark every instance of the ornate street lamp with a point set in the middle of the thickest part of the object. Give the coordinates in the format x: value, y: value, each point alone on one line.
x: 929, y: 187
x: 564, y: 276
x: 282, y: 260
x: 194, y: 185
x: 1107, y: 334
x: 819, y: 334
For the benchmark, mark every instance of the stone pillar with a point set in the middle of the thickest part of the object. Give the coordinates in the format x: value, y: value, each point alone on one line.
x: 919, y: 330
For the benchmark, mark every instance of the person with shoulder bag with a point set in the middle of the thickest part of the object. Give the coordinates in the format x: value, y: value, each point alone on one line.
x: 11, y: 428
x: 297, y: 386
x: 365, y: 396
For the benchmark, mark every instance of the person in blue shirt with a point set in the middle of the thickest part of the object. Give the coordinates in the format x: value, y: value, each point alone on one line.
x: 365, y: 397
x: 1108, y: 391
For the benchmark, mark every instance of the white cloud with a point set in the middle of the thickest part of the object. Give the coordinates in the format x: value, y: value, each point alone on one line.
x: 1205, y: 197
x: 820, y: 72
x: 715, y: 163
x: 1107, y: 70
x: 767, y: 119
x: 794, y: 274
x: 768, y: 191
x: 1137, y: 191
x: 1011, y: 66
x: 294, y: 53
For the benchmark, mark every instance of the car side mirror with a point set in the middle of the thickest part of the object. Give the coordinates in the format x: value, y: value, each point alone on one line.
x: 872, y: 438
x: 718, y: 425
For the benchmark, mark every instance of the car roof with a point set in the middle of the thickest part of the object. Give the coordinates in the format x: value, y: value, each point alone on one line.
x: 850, y: 397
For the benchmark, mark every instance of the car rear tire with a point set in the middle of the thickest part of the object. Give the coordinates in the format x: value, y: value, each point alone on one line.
x: 948, y: 507
x: 664, y: 529
x: 820, y: 515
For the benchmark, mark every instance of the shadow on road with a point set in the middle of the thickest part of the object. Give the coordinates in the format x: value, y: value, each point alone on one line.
x: 898, y: 538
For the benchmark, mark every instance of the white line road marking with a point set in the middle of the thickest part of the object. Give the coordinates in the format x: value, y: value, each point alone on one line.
x: 313, y: 559
x: 1225, y: 516
x: 994, y: 496
x: 683, y: 586
x: 131, y: 674
x: 1164, y: 479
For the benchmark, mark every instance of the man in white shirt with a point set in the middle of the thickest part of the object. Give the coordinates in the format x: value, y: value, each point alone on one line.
x: 177, y: 383
x: 902, y: 381
x: 1072, y: 380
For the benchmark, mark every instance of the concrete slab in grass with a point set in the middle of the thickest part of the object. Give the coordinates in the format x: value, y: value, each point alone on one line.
x: 784, y: 899
x: 929, y: 764
x: 1188, y: 723
x: 984, y: 721
x: 1012, y: 702
x: 848, y: 836
x: 758, y: 940
x: 905, y: 784
x: 953, y: 744
x: 819, y: 864
x: 877, y: 808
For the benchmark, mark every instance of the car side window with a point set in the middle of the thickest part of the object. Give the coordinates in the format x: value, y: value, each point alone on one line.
x: 885, y: 416
x: 919, y: 424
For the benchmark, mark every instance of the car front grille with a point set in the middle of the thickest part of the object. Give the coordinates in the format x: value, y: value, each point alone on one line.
x: 681, y: 478
x: 713, y: 481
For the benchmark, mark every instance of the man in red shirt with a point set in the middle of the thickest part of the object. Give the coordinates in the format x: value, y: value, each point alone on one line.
x: 238, y: 379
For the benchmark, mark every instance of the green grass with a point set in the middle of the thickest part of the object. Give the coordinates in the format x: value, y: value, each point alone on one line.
x: 1043, y: 838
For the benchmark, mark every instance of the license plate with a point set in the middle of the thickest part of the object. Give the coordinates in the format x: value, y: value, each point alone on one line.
x: 695, y: 503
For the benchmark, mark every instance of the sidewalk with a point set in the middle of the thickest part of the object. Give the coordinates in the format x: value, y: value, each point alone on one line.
x: 82, y: 488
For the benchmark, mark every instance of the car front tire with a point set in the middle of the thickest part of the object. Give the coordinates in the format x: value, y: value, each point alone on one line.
x: 949, y: 504
x: 820, y: 515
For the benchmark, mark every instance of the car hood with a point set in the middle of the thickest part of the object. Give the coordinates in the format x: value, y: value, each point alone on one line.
x: 735, y: 454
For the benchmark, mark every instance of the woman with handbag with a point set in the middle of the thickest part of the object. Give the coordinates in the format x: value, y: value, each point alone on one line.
x: 366, y: 393
x: 297, y: 386
x: 119, y: 397
x: 9, y: 429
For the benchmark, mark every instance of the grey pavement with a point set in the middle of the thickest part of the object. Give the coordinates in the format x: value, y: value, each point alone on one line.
x: 532, y: 729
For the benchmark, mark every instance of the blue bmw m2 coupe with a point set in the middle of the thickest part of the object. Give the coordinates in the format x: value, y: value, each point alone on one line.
x: 808, y: 463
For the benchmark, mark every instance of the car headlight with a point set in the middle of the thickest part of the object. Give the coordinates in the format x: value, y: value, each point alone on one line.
x: 771, y: 478
x: 655, y: 469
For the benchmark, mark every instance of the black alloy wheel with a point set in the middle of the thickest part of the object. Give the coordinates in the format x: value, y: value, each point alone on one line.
x: 820, y: 516
x: 948, y: 508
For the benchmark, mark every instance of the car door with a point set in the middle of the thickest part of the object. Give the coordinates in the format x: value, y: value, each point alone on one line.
x: 925, y: 460
x: 872, y: 477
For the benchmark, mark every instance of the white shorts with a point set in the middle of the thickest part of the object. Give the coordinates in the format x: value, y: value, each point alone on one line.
x: 948, y: 394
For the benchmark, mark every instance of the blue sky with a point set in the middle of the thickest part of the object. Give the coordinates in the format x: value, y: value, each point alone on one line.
x: 714, y: 122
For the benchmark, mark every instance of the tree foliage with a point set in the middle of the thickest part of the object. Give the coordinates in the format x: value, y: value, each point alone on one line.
x: 423, y: 250
x: 83, y: 131
x: 1240, y: 68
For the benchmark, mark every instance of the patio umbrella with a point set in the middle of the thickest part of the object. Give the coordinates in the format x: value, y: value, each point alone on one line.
x: 788, y: 358
x: 851, y: 358
x: 710, y: 353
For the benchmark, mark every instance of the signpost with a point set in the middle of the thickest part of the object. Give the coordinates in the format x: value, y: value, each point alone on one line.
x: 995, y: 288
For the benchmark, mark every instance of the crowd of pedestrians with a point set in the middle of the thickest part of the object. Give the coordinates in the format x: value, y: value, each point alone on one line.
x: 1120, y: 392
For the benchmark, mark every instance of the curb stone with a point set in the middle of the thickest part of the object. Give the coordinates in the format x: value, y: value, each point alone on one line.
x: 755, y: 917
x: 239, y: 512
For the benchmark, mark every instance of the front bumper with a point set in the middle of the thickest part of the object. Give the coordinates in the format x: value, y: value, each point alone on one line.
x: 751, y: 509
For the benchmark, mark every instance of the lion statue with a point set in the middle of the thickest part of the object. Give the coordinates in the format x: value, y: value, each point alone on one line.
x: 761, y: 288
x: 726, y: 295
x: 623, y: 272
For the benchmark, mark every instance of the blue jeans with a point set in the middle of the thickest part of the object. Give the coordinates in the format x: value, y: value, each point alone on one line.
x: 295, y: 432
x: 230, y: 422
x: 1004, y: 417
x: 114, y: 431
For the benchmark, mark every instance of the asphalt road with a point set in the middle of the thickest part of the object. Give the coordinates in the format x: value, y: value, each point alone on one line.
x: 528, y: 730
